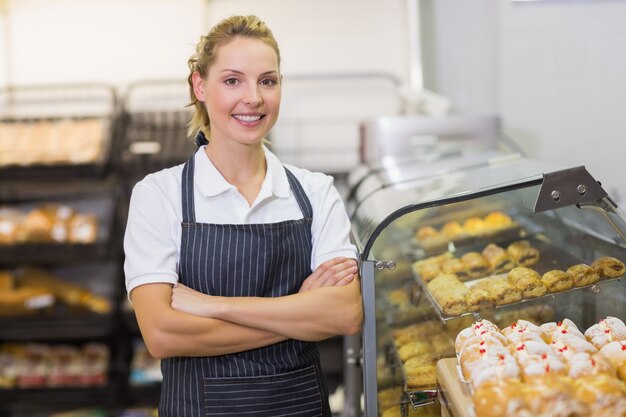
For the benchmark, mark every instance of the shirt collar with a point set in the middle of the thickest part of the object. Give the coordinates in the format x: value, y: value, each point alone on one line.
x: 210, y: 181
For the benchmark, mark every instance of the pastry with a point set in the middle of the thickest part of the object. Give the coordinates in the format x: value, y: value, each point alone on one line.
x: 562, y: 329
x: 421, y: 378
x: 542, y: 366
x: 608, y: 267
x: 497, y: 258
x: 615, y: 352
x: 457, y: 267
x: 390, y: 397
x: 452, y: 229
x: 411, y: 349
x: 499, y: 398
x: 583, y: 275
x: 475, y: 264
x: 591, y: 388
x: 426, y: 232
x: 527, y: 281
x: 557, y: 280
x: 427, y: 270
x: 582, y: 364
x: 474, y: 226
x: 83, y: 228
x: 500, y: 289
x: 605, y: 331
x: 478, y: 299
x: 497, y: 220
x: 522, y: 253
x: 450, y: 293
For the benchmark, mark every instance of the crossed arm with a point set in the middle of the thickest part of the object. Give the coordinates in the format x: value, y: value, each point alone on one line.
x: 182, y: 322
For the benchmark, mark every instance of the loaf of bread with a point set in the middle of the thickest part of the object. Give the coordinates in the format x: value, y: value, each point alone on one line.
x: 71, y: 294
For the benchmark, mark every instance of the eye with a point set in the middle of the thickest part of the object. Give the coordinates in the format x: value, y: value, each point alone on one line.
x: 231, y: 81
x: 268, y: 82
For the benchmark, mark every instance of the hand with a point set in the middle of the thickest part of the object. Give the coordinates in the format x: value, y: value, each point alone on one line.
x: 334, y: 272
x: 187, y: 300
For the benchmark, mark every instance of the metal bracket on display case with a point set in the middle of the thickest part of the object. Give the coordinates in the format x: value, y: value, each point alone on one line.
x: 380, y: 265
x: 568, y: 187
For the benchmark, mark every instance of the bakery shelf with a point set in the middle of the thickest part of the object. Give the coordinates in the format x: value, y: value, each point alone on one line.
x: 49, y: 399
x: 47, y: 117
x: 53, y: 253
x: 552, y: 257
x: 61, y: 324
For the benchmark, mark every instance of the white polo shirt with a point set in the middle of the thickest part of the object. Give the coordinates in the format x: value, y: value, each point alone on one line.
x: 153, y: 232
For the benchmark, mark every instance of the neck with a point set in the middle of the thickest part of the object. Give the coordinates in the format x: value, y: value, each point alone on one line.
x: 242, y: 166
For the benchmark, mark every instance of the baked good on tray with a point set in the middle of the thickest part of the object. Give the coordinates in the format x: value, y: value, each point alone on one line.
x: 522, y: 253
x: 497, y: 258
x: 557, y: 280
x: 450, y: 293
x: 608, y: 267
x: 527, y: 281
x: 500, y: 289
x: 583, y: 274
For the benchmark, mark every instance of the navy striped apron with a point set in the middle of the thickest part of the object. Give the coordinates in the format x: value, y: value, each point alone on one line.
x: 240, y: 260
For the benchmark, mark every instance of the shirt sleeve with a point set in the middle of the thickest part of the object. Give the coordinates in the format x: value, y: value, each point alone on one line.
x: 331, y: 225
x: 150, y: 250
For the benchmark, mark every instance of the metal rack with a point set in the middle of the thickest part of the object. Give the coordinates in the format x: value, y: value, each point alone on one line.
x: 54, y: 104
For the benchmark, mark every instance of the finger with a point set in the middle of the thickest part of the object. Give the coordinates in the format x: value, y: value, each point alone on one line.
x: 345, y: 280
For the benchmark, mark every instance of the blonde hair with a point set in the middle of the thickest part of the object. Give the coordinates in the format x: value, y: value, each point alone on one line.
x: 206, y: 50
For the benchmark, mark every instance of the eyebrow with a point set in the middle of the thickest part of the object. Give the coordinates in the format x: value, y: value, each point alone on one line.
x: 241, y: 73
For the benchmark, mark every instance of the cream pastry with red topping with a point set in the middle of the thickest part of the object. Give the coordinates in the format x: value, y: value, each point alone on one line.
x: 568, y: 347
x: 556, y: 330
x: 606, y: 331
x: 582, y: 364
x: 615, y: 352
x: 540, y: 366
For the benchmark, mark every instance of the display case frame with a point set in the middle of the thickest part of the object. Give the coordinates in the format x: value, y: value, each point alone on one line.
x: 554, y: 189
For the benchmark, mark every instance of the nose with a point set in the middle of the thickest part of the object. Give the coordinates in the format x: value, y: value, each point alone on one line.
x: 253, y: 96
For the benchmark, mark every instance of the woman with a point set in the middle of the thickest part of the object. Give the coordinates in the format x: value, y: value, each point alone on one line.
x: 235, y: 264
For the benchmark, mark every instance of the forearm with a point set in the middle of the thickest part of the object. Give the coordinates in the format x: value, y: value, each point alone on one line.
x: 313, y: 315
x: 170, y: 333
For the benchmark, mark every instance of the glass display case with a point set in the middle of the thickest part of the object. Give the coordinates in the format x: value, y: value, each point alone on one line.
x: 478, y: 241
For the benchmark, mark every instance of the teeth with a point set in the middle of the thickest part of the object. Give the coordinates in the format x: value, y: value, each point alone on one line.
x: 245, y: 118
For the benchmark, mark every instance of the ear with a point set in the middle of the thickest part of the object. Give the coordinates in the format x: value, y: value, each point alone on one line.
x: 198, y: 85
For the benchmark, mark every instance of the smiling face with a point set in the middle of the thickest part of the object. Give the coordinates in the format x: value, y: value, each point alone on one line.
x: 241, y: 91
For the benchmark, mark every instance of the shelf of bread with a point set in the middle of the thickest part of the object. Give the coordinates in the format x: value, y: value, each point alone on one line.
x: 35, y: 303
x: 56, y: 231
x: 492, y: 275
x: 474, y: 228
x: 551, y: 369
x: 28, y: 145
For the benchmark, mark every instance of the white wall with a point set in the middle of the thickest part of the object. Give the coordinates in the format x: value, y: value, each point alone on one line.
x: 553, y: 69
x: 115, y: 41
x: 121, y: 41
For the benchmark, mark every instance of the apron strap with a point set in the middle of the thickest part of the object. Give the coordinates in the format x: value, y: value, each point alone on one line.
x: 189, y: 212
x: 301, y: 197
